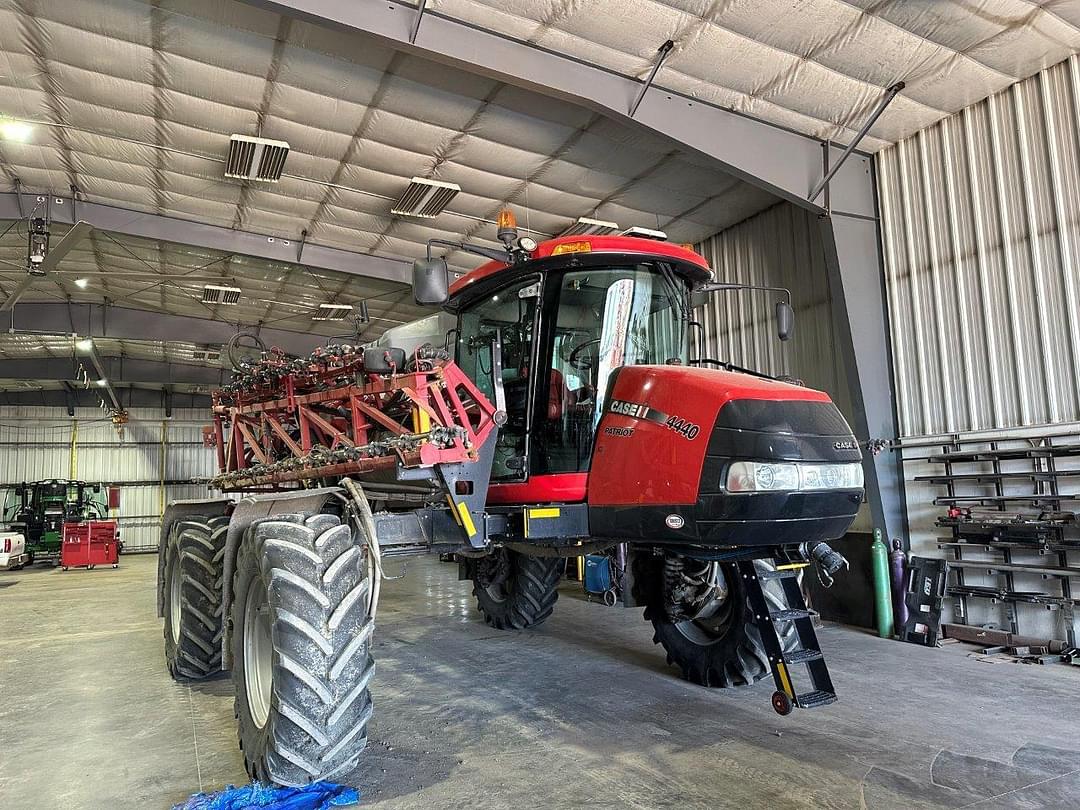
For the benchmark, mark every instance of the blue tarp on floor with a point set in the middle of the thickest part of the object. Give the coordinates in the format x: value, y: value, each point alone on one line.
x: 318, y: 796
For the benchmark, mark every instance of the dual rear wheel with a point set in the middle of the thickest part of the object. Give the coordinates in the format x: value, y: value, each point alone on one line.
x: 300, y: 638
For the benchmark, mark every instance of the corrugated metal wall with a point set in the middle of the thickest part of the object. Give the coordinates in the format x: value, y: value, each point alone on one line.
x: 780, y: 247
x: 36, y: 443
x: 981, y: 236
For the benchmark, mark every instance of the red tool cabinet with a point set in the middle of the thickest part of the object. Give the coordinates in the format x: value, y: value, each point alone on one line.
x: 90, y: 543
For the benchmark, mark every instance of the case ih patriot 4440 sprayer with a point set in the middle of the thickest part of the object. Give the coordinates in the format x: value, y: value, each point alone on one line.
x: 556, y: 413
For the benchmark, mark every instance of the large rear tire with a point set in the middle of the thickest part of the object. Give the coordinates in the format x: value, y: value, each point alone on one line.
x: 193, y: 566
x: 301, y: 638
x: 722, y: 650
x: 515, y: 591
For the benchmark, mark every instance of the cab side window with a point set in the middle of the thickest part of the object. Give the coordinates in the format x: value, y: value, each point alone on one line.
x: 506, y: 318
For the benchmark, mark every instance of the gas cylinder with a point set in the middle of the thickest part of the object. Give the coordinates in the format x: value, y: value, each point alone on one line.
x: 879, y: 561
x: 898, y: 577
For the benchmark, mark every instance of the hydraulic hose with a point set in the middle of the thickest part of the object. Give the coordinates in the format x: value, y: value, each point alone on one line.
x: 367, y: 522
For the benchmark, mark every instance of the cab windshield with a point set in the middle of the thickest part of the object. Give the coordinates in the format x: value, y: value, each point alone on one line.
x: 605, y: 318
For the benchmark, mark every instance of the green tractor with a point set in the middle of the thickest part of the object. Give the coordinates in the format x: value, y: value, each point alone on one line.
x: 39, y: 510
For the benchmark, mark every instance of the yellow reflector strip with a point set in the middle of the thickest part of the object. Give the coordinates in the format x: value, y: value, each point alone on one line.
x: 466, y: 519
x: 453, y: 510
x: 545, y: 512
x: 572, y: 247
x: 791, y: 566
x: 784, y: 679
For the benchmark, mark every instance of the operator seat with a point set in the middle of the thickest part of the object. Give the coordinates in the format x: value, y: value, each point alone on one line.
x: 560, y: 397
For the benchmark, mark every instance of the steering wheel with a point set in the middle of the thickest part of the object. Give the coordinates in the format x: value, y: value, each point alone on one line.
x: 577, y: 361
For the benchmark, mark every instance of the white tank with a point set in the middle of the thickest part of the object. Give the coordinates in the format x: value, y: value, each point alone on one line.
x: 408, y: 336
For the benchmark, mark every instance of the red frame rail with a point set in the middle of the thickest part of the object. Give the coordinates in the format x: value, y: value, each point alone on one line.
x: 289, y: 421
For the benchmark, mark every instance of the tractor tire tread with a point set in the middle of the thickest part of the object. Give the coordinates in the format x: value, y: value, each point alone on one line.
x: 734, y: 662
x: 196, y: 544
x: 322, y: 661
x: 533, y: 598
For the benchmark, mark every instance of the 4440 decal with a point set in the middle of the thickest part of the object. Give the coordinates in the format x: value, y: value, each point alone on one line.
x: 639, y: 410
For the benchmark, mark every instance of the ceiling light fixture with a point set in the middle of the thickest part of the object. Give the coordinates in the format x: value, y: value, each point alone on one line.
x: 85, y: 345
x: 591, y: 227
x: 425, y: 198
x: 331, y: 312
x: 12, y: 130
x: 102, y: 382
x: 209, y: 352
x: 220, y: 294
x: 81, y: 283
x: 256, y: 158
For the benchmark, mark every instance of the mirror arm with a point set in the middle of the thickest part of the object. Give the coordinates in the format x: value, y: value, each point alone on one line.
x: 718, y: 286
x: 488, y: 253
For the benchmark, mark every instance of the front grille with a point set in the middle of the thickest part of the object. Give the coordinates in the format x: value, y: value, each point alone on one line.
x: 780, y: 430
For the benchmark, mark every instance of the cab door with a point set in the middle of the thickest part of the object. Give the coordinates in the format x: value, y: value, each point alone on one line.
x: 497, y: 334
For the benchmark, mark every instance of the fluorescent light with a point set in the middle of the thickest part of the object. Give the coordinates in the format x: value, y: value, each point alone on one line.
x: 591, y: 227
x: 425, y: 198
x: 331, y: 312
x: 84, y: 345
x: 218, y: 294
x: 15, y: 130
x: 102, y: 382
x: 81, y: 283
x: 256, y: 158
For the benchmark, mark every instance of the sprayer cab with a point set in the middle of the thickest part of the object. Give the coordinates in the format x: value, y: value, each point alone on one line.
x: 609, y: 408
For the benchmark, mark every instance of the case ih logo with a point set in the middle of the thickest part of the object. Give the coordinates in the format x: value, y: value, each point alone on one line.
x: 639, y: 410
x: 635, y: 409
x: 846, y: 445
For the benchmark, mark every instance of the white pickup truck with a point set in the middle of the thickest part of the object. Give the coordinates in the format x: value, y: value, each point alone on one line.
x: 12, y: 551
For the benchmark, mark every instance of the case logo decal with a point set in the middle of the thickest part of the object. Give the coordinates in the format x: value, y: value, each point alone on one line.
x: 849, y: 445
x: 639, y: 410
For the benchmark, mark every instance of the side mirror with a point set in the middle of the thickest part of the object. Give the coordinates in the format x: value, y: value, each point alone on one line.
x: 430, y: 282
x: 785, y: 320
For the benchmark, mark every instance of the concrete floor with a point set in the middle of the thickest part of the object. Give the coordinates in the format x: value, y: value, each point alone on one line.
x: 582, y: 712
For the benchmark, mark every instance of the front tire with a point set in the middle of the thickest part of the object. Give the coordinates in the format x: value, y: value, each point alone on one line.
x: 721, y: 650
x: 301, y: 637
x: 193, y: 566
x: 515, y: 591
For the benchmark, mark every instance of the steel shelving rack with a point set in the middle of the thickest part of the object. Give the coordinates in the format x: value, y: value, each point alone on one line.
x: 1042, y: 521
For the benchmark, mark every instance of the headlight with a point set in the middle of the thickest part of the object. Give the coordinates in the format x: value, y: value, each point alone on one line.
x: 756, y: 476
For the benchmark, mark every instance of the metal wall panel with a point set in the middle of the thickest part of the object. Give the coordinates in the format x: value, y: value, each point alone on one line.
x: 36, y: 443
x: 780, y: 247
x: 981, y: 236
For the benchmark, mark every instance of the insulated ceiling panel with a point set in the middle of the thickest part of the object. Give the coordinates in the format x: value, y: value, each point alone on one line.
x: 815, y: 66
x: 135, y: 104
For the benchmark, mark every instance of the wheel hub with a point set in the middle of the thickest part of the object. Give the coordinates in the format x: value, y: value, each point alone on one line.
x: 174, y: 599
x: 698, y: 602
x: 258, y: 654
